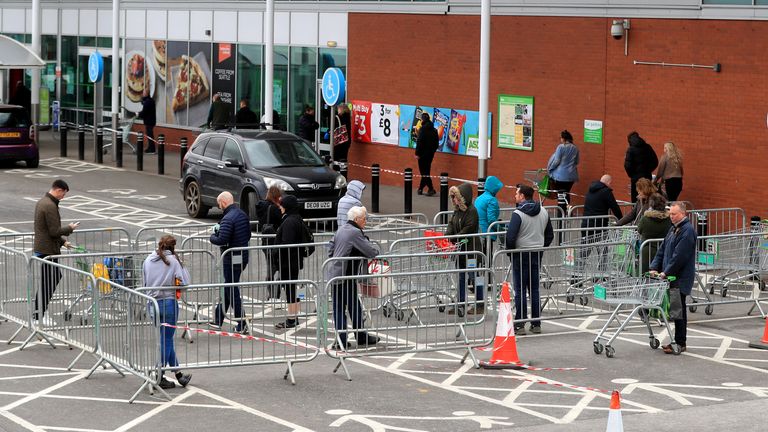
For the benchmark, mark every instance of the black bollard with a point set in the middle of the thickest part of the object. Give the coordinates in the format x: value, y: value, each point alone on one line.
x: 119, y: 148
x: 161, y: 154
x: 480, y: 185
x: 182, y: 152
x: 80, y: 142
x: 375, y: 176
x: 702, y: 229
x: 408, y: 191
x: 140, y: 152
x: 344, y: 169
x: 444, y: 194
x: 99, y: 146
x: 63, y: 137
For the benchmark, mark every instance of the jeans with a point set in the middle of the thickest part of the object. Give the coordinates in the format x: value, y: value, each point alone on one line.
x: 525, y: 274
x: 51, y: 277
x: 345, y: 300
x: 169, y: 311
x: 681, y: 325
x: 231, y: 295
x: 463, y: 276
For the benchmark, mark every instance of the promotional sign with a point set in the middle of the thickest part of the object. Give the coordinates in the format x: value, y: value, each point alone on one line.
x: 333, y: 86
x: 516, y: 122
x: 45, y: 108
x: 384, y: 119
x: 224, y: 73
x: 95, y: 67
x: 361, y: 113
x: 593, y: 131
x: 56, y: 111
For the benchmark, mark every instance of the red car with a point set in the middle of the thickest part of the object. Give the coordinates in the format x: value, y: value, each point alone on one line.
x: 16, y: 142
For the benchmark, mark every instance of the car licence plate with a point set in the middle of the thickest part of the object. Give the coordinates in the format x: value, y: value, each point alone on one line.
x: 10, y: 135
x: 313, y: 205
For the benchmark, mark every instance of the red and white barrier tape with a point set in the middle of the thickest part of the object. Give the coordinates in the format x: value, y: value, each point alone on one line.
x: 238, y: 336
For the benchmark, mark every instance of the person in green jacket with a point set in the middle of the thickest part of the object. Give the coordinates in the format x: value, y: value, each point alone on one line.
x: 465, y: 221
x: 654, y: 224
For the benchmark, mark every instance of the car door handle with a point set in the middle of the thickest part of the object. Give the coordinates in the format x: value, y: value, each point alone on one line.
x: 200, y: 162
x: 220, y: 166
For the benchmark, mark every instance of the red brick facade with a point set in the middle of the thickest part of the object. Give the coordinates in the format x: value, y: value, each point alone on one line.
x: 576, y: 71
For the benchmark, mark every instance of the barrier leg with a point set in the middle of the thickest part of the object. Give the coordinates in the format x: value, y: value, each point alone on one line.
x: 469, y: 353
x: 21, y: 327
x: 343, y: 365
x: 72, y: 365
x: 289, y: 373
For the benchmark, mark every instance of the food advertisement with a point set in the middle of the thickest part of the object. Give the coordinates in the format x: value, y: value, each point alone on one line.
x: 384, y: 119
x: 224, y: 73
x: 138, y: 75
x: 188, y: 83
x: 516, y: 122
x: 361, y: 118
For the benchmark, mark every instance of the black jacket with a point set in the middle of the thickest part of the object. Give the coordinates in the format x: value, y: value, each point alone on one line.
x: 427, y: 141
x: 219, y: 115
x: 148, y: 112
x: 598, y: 202
x: 234, y: 231
x: 245, y: 117
x: 289, y: 233
x: 307, y: 127
x: 640, y: 160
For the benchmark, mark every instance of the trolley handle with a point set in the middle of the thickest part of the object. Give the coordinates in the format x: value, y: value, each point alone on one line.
x: 655, y: 275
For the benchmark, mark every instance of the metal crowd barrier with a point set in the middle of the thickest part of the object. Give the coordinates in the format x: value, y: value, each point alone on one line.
x: 14, y: 306
x: 504, y: 214
x: 90, y: 239
x: 148, y: 237
x: 718, y: 220
x: 578, y: 210
x: 407, y: 306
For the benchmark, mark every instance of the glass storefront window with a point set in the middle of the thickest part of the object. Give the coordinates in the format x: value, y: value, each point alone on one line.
x: 68, y: 71
x: 329, y: 57
x: 303, y: 83
x: 249, y: 76
x: 280, y: 90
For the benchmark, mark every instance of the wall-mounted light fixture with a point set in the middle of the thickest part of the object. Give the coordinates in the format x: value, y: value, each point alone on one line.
x: 331, y: 44
x: 619, y: 30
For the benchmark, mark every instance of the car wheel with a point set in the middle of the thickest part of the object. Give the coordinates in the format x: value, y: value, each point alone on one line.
x: 194, y: 200
x: 33, y: 163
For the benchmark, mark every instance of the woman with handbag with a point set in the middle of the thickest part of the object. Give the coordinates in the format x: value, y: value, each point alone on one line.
x: 341, y: 137
x: 670, y: 172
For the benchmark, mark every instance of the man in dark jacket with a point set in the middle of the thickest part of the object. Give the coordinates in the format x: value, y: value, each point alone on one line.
x: 219, y: 114
x: 291, y: 260
x: 677, y: 257
x: 598, y: 202
x: 349, y: 241
x: 245, y: 118
x: 529, y: 228
x: 148, y: 115
x: 307, y: 124
x: 465, y: 221
x: 639, y: 162
x: 426, y: 146
x: 49, y: 238
x: 233, y: 231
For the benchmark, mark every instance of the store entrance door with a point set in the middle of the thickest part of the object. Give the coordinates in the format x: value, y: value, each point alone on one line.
x: 323, y: 117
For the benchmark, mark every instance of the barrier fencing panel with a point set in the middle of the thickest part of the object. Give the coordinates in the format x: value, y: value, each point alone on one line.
x: 13, y: 288
x: 18, y: 241
x: 718, y: 221
x: 63, y: 303
x: 147, y: 238
x: 578, y: 210
x: 409, y: 303
x: 263, y: 343
x: 92, y: 239
x: 374, y: 221
x: 129, y: 335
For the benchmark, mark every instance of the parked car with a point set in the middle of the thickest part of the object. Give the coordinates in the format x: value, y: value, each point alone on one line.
x: 16, y: 137
x: 247, y: 162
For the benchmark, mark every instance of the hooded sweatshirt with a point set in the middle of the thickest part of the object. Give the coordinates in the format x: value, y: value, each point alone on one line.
x: 640, y: 160
x: 158, y: 274
x: 600, y: 200
x: 351, y: 199
x: 464, y: 219
x: 529, y: 227
x: 487, y: 204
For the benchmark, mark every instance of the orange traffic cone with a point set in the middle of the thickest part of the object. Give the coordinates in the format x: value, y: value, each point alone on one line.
x: 504, y: 355
x: 614, y: 414
x: 762, y: 344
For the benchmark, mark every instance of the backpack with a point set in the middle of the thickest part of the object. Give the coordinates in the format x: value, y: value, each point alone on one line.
x: 262, y: 213
x: 307, y: 237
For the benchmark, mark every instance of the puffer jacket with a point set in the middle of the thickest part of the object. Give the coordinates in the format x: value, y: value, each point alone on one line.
x: 487, y: 204
x: 464, y: 219
x: 653, y: 224
x: 351, y: 199
x: 234, y: 231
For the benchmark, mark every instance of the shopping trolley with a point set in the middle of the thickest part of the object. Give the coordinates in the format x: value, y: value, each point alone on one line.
x: 638, y: 292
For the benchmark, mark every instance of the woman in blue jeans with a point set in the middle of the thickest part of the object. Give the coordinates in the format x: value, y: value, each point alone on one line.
x: 163, y: 268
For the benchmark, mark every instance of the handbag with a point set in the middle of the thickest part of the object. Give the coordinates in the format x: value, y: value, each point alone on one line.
x: 340, y: 134
x: 675, y: 304
x: 377, y: 287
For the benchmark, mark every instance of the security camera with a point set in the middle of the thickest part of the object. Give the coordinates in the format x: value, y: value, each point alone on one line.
x: 617, y: 30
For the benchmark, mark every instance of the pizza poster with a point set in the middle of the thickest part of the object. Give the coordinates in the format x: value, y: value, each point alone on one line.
x: 384, y: 119
x: 188, y: 84
x: 361, y: 117
x: 224, y: 64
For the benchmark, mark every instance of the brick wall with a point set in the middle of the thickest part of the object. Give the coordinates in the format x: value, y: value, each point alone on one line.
x: 576, y: 71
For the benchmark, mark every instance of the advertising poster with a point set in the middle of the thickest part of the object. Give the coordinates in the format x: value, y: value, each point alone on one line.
x: 188, y: 83
x: 175, y: 99
x: 410, y: 124
x: 593, y: 131
x: 516, y: 122
x: 224, y: 73
x: 361, y: 115
x: 440, y: 118
x: 138, y: 75
x: 156, y: 56
x: 384, y: 120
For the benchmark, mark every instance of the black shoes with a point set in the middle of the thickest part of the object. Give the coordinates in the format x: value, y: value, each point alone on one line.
x: 367, y: 339
x: 431, y: 193
x: 166, y: 385
x: 337, y: 347
x: 150, y: 151
x: 289, y: 323
x: 419, y: 192
x: 182, y: 378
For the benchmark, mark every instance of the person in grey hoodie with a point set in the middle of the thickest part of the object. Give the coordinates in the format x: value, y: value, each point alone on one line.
x: 529, y: 228
x: 163, y: 268
x: 350, y: 199
x: 350, y: 241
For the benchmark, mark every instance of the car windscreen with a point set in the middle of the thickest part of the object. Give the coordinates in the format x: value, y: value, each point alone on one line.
x: 280, y: 153
x: 13, y: 118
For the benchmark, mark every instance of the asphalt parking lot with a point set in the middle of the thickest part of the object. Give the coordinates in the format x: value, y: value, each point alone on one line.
x: 718, y: 383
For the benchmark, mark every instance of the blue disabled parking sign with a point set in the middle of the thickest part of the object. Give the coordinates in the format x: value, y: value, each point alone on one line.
x: 95, y: 67
x: 334, y: 86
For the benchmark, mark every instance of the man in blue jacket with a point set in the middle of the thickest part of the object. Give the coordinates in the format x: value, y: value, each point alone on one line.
x: 677, y: 257
x: 234, y: 231
x: 529, y: 228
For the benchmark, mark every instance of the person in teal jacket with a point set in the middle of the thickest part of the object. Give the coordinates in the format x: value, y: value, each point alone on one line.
x: 487, y: 204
